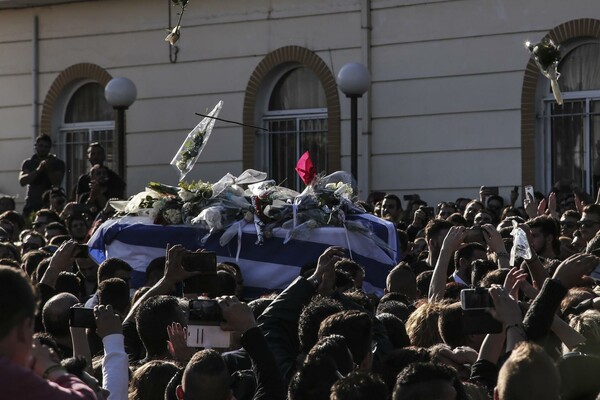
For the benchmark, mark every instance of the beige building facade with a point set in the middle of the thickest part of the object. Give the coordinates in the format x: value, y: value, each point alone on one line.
x: 455, y: 101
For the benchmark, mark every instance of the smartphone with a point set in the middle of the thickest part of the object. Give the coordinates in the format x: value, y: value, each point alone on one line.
x: 204, y: 327
x: 207, y: 281
x: 476, y: 299
x: 529, y: 193
x: 205, y: 262
x: 81, y: 317
x: 476, y: 322
x: 429, y: 212
x: 474, y: 235
x: 81, y: 251
x: 207, y: 336
x: 491, y: 190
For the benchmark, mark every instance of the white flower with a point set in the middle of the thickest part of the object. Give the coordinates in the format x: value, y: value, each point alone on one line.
x: 185, y: 195
x: 173, y: 36
x: 173, y: 216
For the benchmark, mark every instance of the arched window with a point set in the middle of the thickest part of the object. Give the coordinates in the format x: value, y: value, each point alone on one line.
x: 295, y: 120
x: 571, y: 131
x: 87, y: 118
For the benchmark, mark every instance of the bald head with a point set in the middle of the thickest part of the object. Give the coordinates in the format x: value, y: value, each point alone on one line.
x: 402, y: 280
x: 55, y: 314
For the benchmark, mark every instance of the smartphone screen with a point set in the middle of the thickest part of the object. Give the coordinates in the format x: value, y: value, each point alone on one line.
x: 529, y: 193
x: 204, y: 312
x: 81, y: 317
x: 207, y: 281
x: 475, y: 299
x: 81, y: 251
x: 475, y: 322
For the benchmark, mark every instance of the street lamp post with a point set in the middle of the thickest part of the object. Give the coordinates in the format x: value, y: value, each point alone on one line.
x: 354, y: 80
x: 120, y: 93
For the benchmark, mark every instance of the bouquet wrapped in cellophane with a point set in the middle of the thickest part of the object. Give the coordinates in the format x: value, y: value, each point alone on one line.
x: 547, y: 56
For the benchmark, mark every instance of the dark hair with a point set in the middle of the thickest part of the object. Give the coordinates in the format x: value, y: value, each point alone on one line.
x: 44, y: 137
x: 40, y: 270
x: 155, y: 270
x: 227, y: 283
x: 114, y: 291
x: 75, y: 365
x: 17, y: 299
x: 496, y: 276
x: 398, y: 359
x: 150, y: 381
x: 450, y: 324
x: 467, y: 252
x: 51, y: 215
x: 423, y: 372
x: 31, y: 260
x: 206, y: 373
x: 311, y: 317
x: 68, y: 282
x: 361, y: 298
x: 359, y: 385
x: 57, y: 226
x: 479, y: 268
x: 13, y: 250
x: 396, y: 308
x: 110, y: 267
x: 395, y: 330
x: 350, y: 266
x: 355, y: 326
x: 548, y: 226
x: 153, y: 317
x: 423, y: 282
x: 334, y: 347
x: 457, y: 219
x: 435, y: 227
x: 394, y: 198
x: 314, y: 379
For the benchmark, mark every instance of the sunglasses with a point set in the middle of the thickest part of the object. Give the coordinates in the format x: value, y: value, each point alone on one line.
x: 569, y: 224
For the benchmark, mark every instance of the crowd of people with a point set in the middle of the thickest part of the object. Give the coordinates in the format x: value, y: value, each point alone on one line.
x: 323, y: 337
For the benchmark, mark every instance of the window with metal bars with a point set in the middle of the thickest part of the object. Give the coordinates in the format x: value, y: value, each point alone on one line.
x: 296, y: 121
x: 88, y: 118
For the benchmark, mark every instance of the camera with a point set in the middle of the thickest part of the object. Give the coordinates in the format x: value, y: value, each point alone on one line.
x: 204, y: 328
x: 476, y: 299
x: 474, y: 234
x: 81, y: 317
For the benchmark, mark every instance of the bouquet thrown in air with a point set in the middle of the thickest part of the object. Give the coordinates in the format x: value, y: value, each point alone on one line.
x: 547, y: 56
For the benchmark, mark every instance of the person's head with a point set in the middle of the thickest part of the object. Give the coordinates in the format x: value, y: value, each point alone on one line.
x: 589, y: 224
x: 395, y: 330
x: 114, y: 291
x: 494, y: 277
x: 544, y: 235
x: 7, y: 203
x: 32, y: 240
x: 356, y: 327
x: 464, y: 256
x: 18, y: 304
x: 398, y: 359
x: 435, y: 232
x: 569, y: 223
x: 54, y: 199
x: 472, y: 208
x: 312, y: 315
x: 76, y: 366
x: 114, y: 268
x: 423, y: 282
x: 42, y: 218
x: 444, y: 210
x: 99, y: 173
x: 9, y: 250
x: 151, y: 379
x: 479, y: 268
x: 391, y: 208
x: 314, y: 378
x: 495, y: 204
x: 394, y: 307
x: 78, y: 227
x: 402, y: 279
x: 96, y: 154
x: 43, y: 144
x: 55, y: 315
x: 356, y: 271
x: 55, y: 229
x: 426, y: 380
x: 588, y: 324
x: 333, y: 347
x: 31, y: 260
x: 528, y: 373
x: 16, y: 219
x: 68, y: 282
x: 155, y: 271
x: 450, y: 325
x: 226, y: 283
x: 483, y: 217
x: 205, y: 378
x: 359, y: 385
x: 152, y: 318
x: 422, y: 325
x: 89, y: 270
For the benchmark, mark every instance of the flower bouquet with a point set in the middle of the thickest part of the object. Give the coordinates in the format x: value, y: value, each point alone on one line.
x: 194, y: 143
x: 547, y: 56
